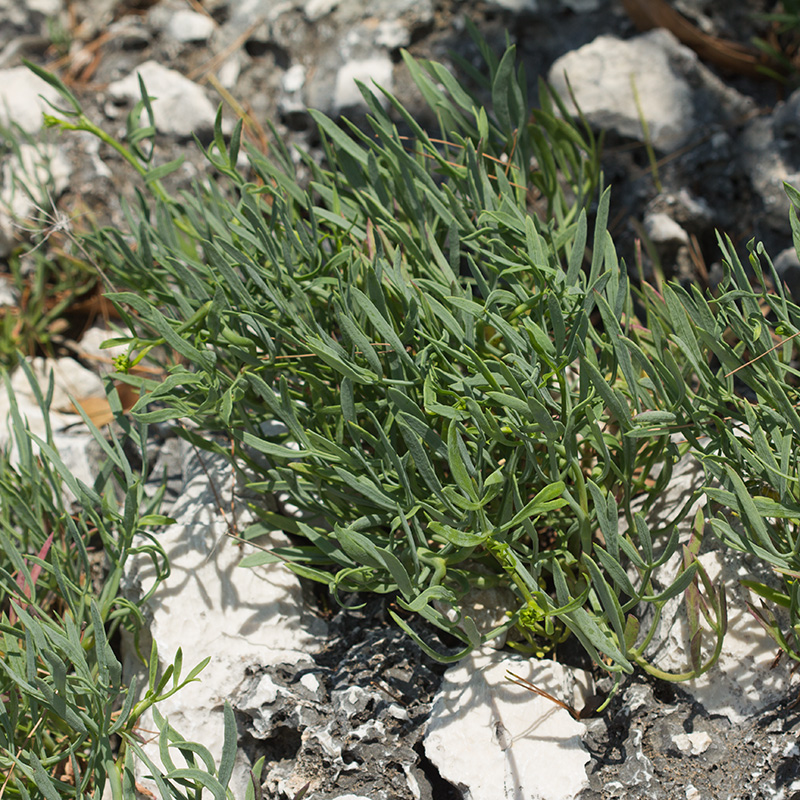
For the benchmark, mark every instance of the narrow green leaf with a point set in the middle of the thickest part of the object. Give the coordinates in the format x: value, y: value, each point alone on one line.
x: 678, y: 586
x: 229, y: 745
x: 457, y: 467
x: 547, y: 499
x: 608, y: 600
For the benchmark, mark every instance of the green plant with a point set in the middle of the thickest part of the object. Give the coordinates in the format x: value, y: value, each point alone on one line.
x: 68, y: 721
x: 452, y: 417
x: 782, y: 41
x: 455, y: 390
x: 47, y: 288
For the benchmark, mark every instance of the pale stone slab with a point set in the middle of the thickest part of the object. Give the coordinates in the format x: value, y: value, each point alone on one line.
x: 35, y: 171
x: 23, y: 99
x: 497, y: 741
x: 190, y: 26
x: 743, y: 682
x: 209, y: 606
x: 71, y: 437
x: 368, y: 71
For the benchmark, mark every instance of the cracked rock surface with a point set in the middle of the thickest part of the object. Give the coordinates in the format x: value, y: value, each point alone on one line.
x: 350, y: 718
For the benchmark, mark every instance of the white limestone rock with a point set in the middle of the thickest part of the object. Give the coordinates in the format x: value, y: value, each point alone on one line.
x: 180, y: 106
x: 768, y: 147
x: 392, y: 34
x: 190, y: 27
x: 23, y: 97
x: 9, y: 294
x: 46, y: 7
x: 37, y: 170
x: 369, y: 71
x: 351, y: 797
x: 494, y: 739
x: 91, y: 347
x: 675, y: 90
x: 209, y: 606
x: 316, y: 9
x: 663, y: 230
x: 516, y: 6
x: 742, y: 683
x: 693, y: 743
x: 71, y: 437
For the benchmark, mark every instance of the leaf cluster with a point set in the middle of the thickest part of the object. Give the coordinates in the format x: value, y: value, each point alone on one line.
x: 68, y: 719
x: 415, y: 350
x: 435, y: 358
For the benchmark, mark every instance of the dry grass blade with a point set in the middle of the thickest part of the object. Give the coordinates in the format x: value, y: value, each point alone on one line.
x: 526, y: 684
x: 99, y: 410
x: 765, y: 353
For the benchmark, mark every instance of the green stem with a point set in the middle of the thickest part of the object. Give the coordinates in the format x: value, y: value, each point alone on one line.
x: 83, y: 123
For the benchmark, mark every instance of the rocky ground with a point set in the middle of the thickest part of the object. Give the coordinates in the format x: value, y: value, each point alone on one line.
x: 340, y: 699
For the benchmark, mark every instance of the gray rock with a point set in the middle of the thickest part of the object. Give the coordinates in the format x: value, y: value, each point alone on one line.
x: 131, y: 34
x: 180, y: 106
x: 787, y: 265
x: 244, y: 13
x: 21, y: 18
x: 546, y: 6
x: 677, y: 94
x: 17, y: 12
x: 347, y: 722
x: 768, y: 148
x: 637, y: 771
x: 418, y: 10
x: 693, y: 214
x: 786, y: 117
x: 656, y: 746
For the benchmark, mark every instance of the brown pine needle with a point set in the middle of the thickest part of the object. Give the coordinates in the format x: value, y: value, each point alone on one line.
x: 526, y: 684
x: 765, y: 353
x: 505, y: 164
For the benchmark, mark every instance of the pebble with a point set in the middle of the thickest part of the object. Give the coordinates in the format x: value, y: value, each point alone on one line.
x: 190, y: 26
